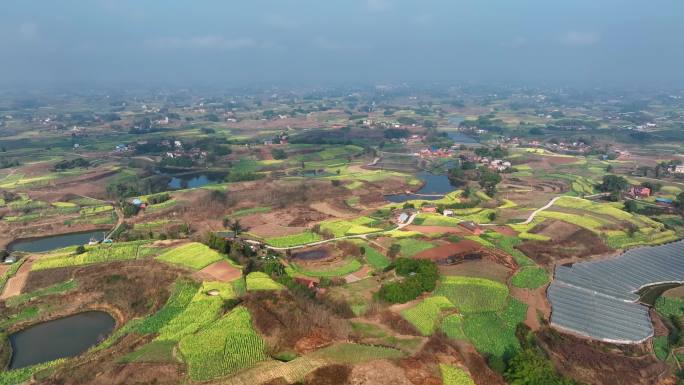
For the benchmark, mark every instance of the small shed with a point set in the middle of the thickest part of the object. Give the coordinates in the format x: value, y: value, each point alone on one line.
x: 403, y: 217
x: 472, y: 227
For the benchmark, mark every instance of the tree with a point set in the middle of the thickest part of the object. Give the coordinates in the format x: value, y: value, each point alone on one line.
x: 631, y: 206
x: 488, y: 181
x: 679, y: 202
x: 236, y: 227
x: 528, y: 367
x: 613, y: 184
x: 80, y: 250
x: 653, y: 186
x: 394, y: 250
x: 278, y: 153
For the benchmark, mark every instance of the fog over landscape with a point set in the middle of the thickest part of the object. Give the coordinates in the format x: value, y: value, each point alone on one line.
x: 353, y: 192
x: 587, y: 43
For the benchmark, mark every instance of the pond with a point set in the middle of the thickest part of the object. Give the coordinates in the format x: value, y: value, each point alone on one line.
x: 39, y: 245
x: 313, y: 254
x: 194, y: 180
x: 315, y: 173
x: 63, y: 337
x: 435, y: 187
x: 461, y: 138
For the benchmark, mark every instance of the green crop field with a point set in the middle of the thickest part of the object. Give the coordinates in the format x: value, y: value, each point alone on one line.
x: 9, y: 273
x: 181, y: 296
x: 96, y: 254
x: 250, y: 211
x: 193, y: 255
x: 200, y: 312
x: 424, y: 315
x: 23, y: 375
x: 94, y: 210
x: 412, y: 246
x: 452, y: 326
x: 530, y: 277
x: 670, y: 306
x: 471, y: 295
x: 507, y: 244
x: 261, y: 281
x: 493, y: 333
x: 375, y: 258
x: 293, y: 240
x: 162, y: 206
x: 341, y: 227
x: 225, y: 290
x: 54, y: 289
x: 452, y: 375
x: 349, y: 353
x: 349, y: 266
x: 155, y: 351
x: 228, y: 345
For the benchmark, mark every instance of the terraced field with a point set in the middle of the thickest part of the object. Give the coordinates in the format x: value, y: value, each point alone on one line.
x: 193, y: 255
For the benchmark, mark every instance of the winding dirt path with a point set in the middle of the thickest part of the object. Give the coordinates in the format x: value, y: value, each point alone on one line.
x: 16, y: 283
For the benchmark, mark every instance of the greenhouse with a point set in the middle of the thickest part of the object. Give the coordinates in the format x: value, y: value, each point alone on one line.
x: 600, y: 299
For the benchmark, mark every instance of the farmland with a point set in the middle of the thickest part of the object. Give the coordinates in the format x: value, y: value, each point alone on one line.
x: 193, y: 255
x: 96, y: 254
x: 270, y: 244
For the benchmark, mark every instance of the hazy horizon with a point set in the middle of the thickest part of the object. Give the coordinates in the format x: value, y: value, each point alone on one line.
x: 179, y: 43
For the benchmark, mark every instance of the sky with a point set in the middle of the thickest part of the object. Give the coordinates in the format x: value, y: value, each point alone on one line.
x: 334, y: 42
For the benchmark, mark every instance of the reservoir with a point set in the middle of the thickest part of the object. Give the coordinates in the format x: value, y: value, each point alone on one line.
x: 63, y: 337
x: 39, y: 245
x: 436, y: 186
x: 461, y: 138
x: 194, y: 180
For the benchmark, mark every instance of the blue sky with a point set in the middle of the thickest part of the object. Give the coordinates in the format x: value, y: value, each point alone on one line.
x: 580, y: 42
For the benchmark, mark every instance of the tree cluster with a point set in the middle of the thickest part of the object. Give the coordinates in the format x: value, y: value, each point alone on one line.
x: 419, y: 276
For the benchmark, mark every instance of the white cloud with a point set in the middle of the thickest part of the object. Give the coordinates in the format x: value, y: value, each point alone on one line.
x: 378, y: 5
x: 576, y: 38
x: 28, y: 31
x: 516, y: 42
x: 208, y: 42
x: 327, y: 44
x: 280, y: 21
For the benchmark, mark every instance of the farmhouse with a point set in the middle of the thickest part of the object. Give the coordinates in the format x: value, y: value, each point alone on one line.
x: 639, y: 192
x: 402, y: 218
x: 472, y: 227
x: 428, y: 209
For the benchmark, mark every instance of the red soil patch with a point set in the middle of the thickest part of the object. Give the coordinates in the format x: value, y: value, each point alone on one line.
x: 358, y: 275
x: 222, y: 271
x: 537, y: 305
x: 438, y: 230
x: 505, y: 230
x: 465, y: 246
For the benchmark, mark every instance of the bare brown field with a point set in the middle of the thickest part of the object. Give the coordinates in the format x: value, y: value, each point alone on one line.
x: 222, y: 271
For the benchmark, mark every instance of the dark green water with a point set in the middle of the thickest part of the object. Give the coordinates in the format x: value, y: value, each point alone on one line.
x: 63, y: 337
x: 37, y: 245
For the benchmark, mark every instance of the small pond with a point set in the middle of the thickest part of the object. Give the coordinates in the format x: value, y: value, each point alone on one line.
x: 38, y: 245
x: 455, y: 119
x: 195, y: 180
x: 63, y: 337
x: 313, y: 254
x: 436, y: 186
x: 315, y: 173
x: 461, y: 138
x: 649, y: 294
